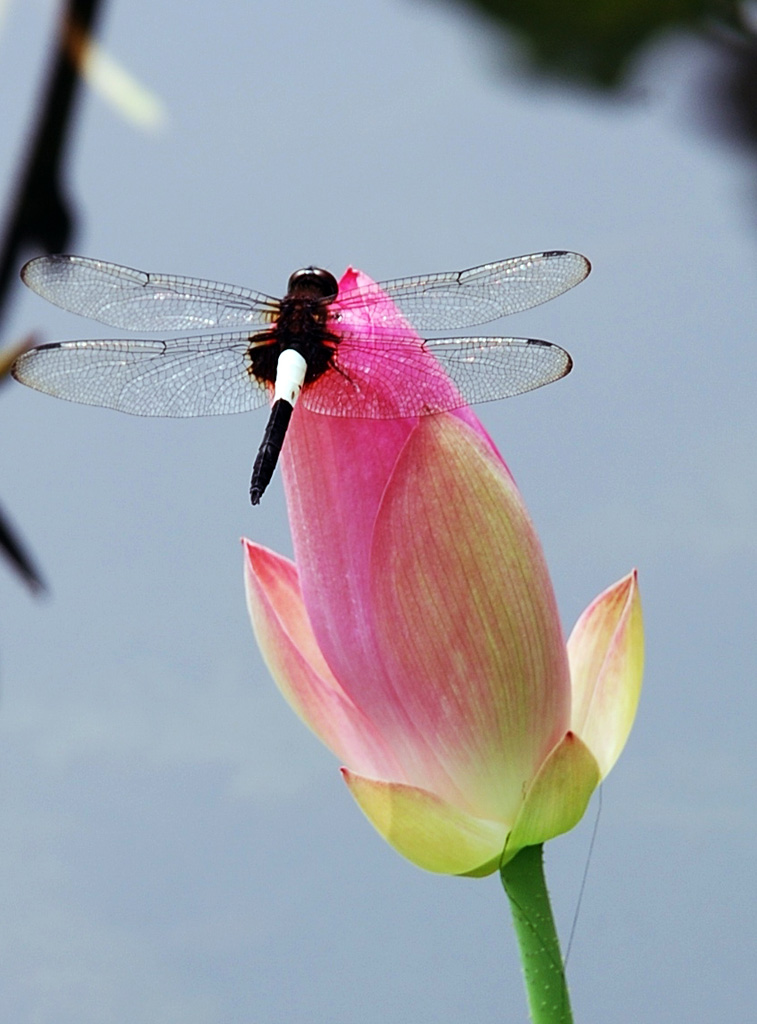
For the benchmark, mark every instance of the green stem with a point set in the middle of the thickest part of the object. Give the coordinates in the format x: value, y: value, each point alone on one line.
x: 543, y: 972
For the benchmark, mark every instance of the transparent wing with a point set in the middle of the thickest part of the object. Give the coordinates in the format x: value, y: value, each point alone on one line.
x: 199, y: 376
x: 464, y: 298
x: 135, y: 301
x: 402, y: 377
x: 488, y: 369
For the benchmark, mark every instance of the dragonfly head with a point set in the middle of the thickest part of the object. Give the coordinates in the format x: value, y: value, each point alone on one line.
x: 312, y: 283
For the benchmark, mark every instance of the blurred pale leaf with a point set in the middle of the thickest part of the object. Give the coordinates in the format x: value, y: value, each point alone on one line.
x: 119, y: 88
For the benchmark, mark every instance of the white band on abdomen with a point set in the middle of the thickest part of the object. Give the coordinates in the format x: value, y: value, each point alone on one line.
x: 290, y: 374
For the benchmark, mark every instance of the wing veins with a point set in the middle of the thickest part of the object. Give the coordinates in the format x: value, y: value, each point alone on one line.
x: 194, y: 376
x: 134, y: 300
x: 464, y: 298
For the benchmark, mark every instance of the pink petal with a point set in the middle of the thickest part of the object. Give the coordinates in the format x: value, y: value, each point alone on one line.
x: 466, y: 621
x: 331, y: 537
x: 290, y: 650
x: 471, y: 698
x: 606, y: 653
x: 335, y: 472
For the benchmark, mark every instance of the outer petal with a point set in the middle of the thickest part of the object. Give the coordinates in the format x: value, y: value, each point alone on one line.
x: 336, y: 470
x: 606, y: 655
x: 467, y: 621
x: 429, y: 832
x: 558, y: 797
x: 290, y: 650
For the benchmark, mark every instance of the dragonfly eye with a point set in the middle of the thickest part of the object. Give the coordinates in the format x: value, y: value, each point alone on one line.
x: 313, y: 282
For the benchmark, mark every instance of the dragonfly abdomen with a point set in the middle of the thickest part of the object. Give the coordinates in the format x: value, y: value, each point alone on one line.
x: 270, y: 448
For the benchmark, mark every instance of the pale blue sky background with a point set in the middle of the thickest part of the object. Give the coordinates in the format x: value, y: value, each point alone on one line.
x: 174, y: 846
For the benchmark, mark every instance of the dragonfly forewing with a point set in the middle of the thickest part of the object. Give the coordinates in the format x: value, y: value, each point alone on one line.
x: 136, y: 301
x: 439, y: 302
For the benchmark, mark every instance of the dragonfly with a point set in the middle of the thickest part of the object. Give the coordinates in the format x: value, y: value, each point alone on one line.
x: 354, y: 354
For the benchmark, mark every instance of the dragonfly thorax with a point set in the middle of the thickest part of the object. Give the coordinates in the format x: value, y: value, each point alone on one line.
x: 301, y: 325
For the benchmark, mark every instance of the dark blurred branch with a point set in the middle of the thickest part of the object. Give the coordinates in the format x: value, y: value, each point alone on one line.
x: 19, y: 557
x: 41, y: 218
x: 10, y: 542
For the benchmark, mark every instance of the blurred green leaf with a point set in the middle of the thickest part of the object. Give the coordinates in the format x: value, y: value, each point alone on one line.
x: 595, y: 41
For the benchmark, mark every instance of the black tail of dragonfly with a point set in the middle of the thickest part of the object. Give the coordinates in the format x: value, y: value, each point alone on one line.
x: 270, y: 448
